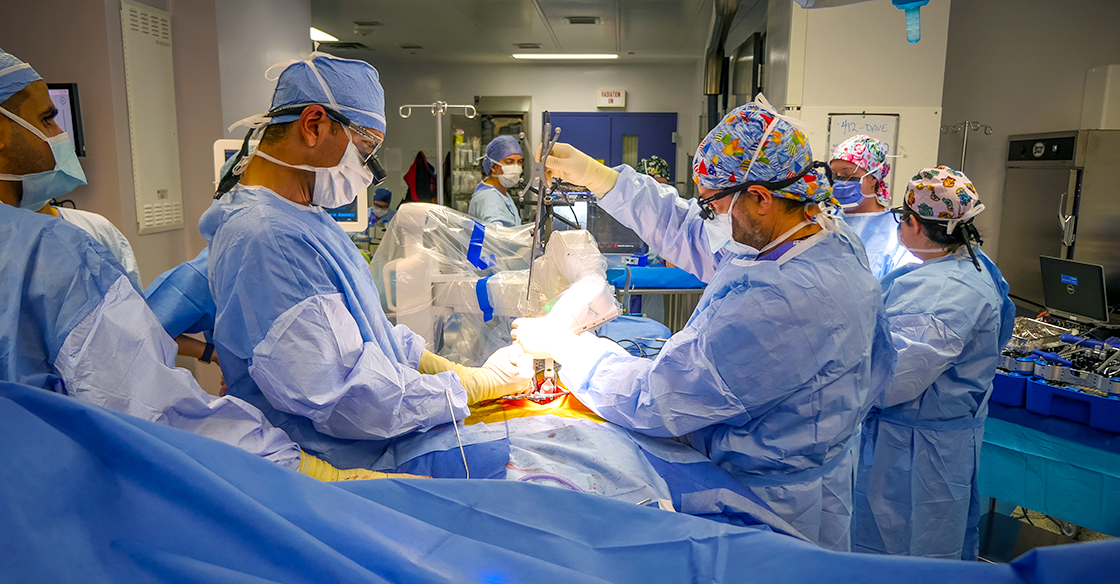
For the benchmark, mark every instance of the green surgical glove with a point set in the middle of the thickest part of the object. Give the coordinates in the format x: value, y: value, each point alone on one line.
x: 507, y: 371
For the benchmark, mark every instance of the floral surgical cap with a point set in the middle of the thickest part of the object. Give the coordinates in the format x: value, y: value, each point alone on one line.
x: 654, y: 166
x: 724, y: 157
x: 943, y: 194
x: 870, y: 155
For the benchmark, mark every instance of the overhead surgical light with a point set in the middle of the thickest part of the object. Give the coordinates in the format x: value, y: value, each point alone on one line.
x: 564, y: 56
x: 322, y: 37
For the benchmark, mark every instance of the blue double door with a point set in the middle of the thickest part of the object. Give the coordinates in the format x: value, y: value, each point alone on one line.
x: 620, y: 137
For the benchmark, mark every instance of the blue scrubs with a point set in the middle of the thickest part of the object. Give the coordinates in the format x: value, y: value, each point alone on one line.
x: 300, y: 332
x: 879, y: 233
x: 181, y: 300
x: 916, y: 484
x: 489, y: 205
x: 773, y: 373
x: 75, y: 324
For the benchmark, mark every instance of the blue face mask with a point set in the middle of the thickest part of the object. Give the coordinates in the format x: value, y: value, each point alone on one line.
x: 40, y: 187
x: 848, y: 193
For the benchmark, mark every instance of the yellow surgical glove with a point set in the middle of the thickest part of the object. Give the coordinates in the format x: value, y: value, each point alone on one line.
x: 573, y: 166
x: 507, y: 371
x: 322, y: 470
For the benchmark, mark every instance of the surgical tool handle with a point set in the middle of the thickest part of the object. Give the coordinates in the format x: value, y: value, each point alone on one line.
x: 1084, y: 342
x: 1052, y: 358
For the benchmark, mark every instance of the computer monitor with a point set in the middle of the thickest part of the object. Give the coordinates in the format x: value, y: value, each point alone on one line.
x: 1074, y: 290
x: 353, y: 217
x: 65, y: 99
x: 578, y: 205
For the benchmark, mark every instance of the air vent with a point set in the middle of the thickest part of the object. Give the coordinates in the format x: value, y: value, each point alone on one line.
x: 367, y: 23
x: 582, y: 19
x: 344, y: 46
x: 527, y: 46
x: 411, y: 47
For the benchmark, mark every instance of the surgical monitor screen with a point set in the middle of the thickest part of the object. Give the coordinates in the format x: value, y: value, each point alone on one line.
x: 64, y: 96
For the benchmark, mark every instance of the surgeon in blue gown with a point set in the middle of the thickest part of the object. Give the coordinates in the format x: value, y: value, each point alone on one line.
x: 299, y: 328
x: 860, y: 167
x: 73, y: 322
x: 501, y: 166
x: 774, y: 372
x: 180, y: 299
x: 949, y: 317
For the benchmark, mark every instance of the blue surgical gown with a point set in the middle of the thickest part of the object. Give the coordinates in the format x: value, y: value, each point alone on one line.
x: 181, y: 300
x: 916, y: 482
x: 300, y: 332
x: 879, y: 233
x: 489, y: 205
x: 772, y: 374
x: 75, y: 324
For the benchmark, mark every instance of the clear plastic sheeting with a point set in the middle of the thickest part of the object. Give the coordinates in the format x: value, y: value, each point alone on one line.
x: 460, y: 283
x: 572, y: 276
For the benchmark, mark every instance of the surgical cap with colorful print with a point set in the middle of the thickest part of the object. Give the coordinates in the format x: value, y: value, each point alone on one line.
x: 754, y: 143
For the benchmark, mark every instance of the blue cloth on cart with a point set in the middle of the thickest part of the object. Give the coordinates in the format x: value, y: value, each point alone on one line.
x: 1060, y: 427
x: 1051, y: 475
x: 169, y: 506
x: 654, y: 277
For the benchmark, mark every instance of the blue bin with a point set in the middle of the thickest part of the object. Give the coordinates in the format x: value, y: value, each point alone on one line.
x: 1009, y: 389
x: 1102, y: 413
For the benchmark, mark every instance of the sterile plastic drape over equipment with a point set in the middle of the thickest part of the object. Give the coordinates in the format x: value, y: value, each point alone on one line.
x: 459, y: 283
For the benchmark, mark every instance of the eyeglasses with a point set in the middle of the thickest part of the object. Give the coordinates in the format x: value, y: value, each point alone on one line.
x: 365, y: 141
x: 900, y: 214
x: 706, y: 211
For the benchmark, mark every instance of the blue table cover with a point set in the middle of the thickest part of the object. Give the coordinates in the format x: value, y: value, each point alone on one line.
x: 1058, y: 427
x: 653, y: 277
x: 1052, y: 475
x: 87, y: 495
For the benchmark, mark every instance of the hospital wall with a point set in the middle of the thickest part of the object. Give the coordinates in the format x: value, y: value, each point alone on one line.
x: 1018, y: 66
x: 254, y: 35
x: 854, y: 59
x: 666, y: 87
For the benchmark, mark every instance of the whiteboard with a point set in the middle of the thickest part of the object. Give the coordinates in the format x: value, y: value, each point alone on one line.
x: 882, y: 127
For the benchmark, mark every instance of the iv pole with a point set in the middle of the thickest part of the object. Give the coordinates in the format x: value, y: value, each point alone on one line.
x: 965, y: 127
x: 439, y: 109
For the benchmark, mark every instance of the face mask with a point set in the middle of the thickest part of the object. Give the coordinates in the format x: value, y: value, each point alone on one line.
x: 40, y: 187
x: 848, y: 193
x: 378, y: 211
x: 719, y: 228
x: 511, y: 175
x: 337, y: 185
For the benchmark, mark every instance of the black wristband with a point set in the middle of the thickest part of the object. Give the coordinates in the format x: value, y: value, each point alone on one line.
x: 207, y: 353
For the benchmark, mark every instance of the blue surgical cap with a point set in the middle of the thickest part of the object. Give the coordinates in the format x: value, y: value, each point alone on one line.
x: 383, y: 196
x: 14, y: 75
x: 497, y: 149
x: 354, y: 85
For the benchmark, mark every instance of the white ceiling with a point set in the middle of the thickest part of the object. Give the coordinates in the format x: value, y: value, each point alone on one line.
x: 485, y: 31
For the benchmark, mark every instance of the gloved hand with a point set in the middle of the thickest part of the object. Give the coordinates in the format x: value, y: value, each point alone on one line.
x: 573, y: 166
x: 507, y: 371
x: 322, y: 470
x: 544, y: 338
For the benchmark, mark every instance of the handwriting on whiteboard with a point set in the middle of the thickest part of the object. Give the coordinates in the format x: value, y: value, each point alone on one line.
x: 853, y: 127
